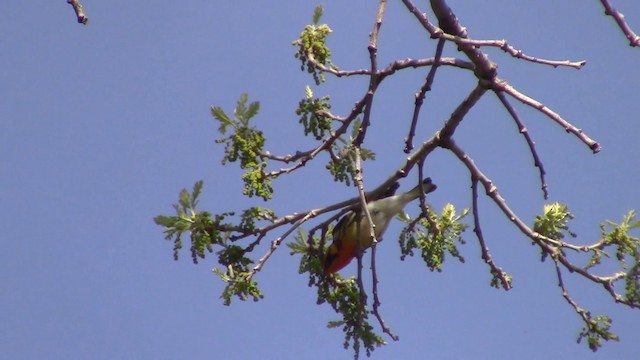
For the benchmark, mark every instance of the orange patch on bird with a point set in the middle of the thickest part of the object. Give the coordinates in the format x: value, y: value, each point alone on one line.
x: 336, y: 259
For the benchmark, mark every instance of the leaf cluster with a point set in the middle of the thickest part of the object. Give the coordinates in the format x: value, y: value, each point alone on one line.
x: 239, y: 284
x: 209, y: 233
x: 596, y: 330
x: 553, y: 223
x: 343, y: 295
x: 204, y: 231
x: 342, y: 162
x: 627, y: 252
x: 246, y: 144
x: 312, y: 114
x: 435, y: 243
x: 312, y: 48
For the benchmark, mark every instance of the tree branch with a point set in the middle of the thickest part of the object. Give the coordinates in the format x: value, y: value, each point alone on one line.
x: 501, y: 85
x: 458, y: 35
x: 421, y: 95
x: 609, y: 10
x: 498, y: 273
x: 532, y: 148
x: 78, y: 8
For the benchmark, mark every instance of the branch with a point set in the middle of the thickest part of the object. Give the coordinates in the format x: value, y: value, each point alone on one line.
x: 501, y: 85
x: 376, y: 300
x: 395, y: 66
x: 421, y: 95
x: 484, y: 69
x: 461, y: 111
x: 492, y: 192
x: 358, y: 181
x: 549, y: 246
x: 275, y: 244
x: 373, y: 77
x: 634, y: 39
x: 325, y: 145
x: 523, y: 130
x: 425, y: 209
x: 79, y: 10
x: 458, y: 35
x: 498, y: 273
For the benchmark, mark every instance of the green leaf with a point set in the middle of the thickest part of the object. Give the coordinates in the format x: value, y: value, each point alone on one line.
x: 184, y: 200
x: 222, y: 117
x: 246, y: 145
x: 317, y: 14
x: 241, y: 107
x: 166, y: 221
x: 197, y: 189
x: 253, y: 110
x: 435, y: 245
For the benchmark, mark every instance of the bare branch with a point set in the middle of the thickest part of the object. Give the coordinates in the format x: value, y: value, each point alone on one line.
x: 532, y: 148
x: 78, y: 8
x: 634, y: 39
x: 458, y: 35
x: 501, y: 85
x: 420, y: 97
x: 358, y: 181
x: 373, y: 77
x: 498, y: 273
x: 425, y: 210
x: 303, y: 157
x: 376, y: 300
x: 395, y: 66
x: 550, y: 246
x: 461, y: 111
x: 275, y: 244
x: 492, y: 192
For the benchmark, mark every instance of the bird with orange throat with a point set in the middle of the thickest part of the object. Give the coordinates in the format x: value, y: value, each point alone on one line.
x: 353, y: 229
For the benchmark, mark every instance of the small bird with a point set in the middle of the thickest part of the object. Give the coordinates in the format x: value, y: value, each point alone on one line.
x: 353, y: 229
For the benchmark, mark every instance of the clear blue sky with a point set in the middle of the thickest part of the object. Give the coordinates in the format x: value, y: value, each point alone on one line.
x: 101, y: 126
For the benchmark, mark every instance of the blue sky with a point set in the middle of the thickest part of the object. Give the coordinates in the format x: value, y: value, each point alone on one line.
x: 101, y: 126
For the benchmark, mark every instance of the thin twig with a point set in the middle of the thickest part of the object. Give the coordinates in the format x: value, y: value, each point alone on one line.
x: 498, y: 273
x: 373, y: 77
x: 492, y: 192
x: 532, y: 147
x: 78, y: 8
x: 634, y: 39
x: 461, y: 111
x: 460, y: 37
x: 548, y: 245
x: 394, y: 66
x: 376, y: 300
x: 421, y: 95
x: 275, y: 244
x: 303, y: 157
x: 501, y: 85
x: 565, y: 294
x: 425, y: 210
x: 453, y: 31
x: 358, y: 181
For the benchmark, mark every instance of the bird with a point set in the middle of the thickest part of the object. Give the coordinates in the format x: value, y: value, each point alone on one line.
x: 353, y: 229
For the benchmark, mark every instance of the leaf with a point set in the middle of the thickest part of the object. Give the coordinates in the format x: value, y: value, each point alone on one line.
x: 222, y: 117
x: 166, y: 221
x: 317, y: 14
x: 253, y: 110
x: 241, y: 106
x: 197, y: 189
x: 184, y: 200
